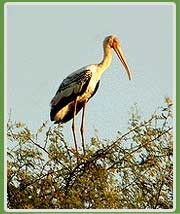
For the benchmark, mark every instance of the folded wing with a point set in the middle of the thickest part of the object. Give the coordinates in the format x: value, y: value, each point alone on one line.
x: 71, y: 87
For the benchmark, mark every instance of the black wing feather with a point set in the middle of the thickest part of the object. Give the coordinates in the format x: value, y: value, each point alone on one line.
x: 82, y: 78
x: 70, y: 113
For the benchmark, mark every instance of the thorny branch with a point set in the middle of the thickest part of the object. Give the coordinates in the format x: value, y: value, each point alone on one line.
x: 129, y: 172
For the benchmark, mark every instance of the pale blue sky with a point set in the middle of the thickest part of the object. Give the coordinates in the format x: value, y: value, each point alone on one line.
x: 45, y: 43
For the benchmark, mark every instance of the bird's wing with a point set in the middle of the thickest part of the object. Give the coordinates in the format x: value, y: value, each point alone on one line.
x: 74, y: 85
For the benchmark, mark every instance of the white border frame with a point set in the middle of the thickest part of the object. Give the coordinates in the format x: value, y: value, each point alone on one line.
x: 5, y: 102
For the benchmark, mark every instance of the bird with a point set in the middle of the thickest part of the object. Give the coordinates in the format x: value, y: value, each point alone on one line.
x: 77, y: 88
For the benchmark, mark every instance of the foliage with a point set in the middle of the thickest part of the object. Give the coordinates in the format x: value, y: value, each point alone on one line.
x: 133, y: 171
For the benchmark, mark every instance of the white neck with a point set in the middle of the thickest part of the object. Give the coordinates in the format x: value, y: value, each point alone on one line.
x: 106, y: 60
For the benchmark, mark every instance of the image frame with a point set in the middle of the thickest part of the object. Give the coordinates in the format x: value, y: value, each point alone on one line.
x: 2, y: 148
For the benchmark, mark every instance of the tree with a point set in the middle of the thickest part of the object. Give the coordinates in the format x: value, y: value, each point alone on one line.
x: 133, y: 171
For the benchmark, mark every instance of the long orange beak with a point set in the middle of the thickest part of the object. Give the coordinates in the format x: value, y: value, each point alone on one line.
x: 121, y: 56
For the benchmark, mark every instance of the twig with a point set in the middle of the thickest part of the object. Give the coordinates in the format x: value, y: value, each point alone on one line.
x: 158, y: 195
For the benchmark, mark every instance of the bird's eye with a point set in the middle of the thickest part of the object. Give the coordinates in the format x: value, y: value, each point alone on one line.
x: 115, y: 41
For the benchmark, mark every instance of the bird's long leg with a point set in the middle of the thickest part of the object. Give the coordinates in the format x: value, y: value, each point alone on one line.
x: 74, y: 125
x: 82, y: 125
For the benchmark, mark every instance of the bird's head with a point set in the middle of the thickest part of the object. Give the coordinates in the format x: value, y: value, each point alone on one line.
x: 113, y: 42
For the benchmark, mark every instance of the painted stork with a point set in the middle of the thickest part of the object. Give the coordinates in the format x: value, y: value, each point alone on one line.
x: 77, y: 88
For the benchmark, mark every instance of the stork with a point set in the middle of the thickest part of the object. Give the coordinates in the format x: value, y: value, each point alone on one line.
x: 76, y: 89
